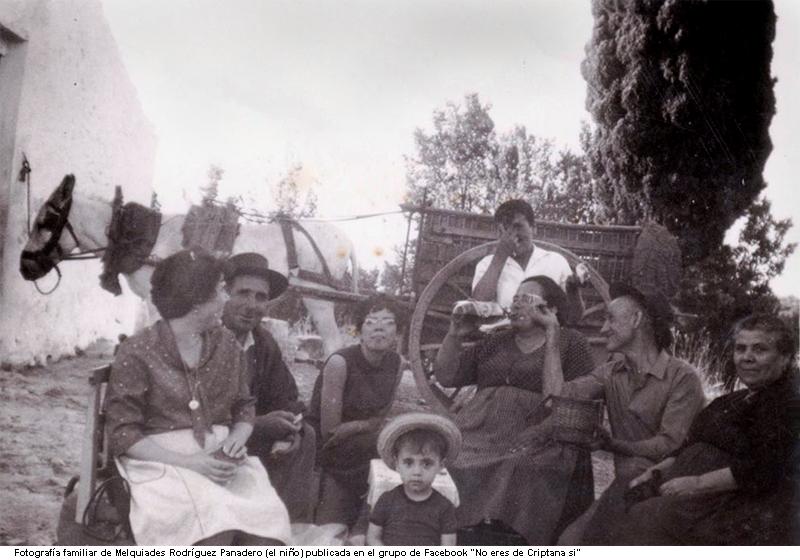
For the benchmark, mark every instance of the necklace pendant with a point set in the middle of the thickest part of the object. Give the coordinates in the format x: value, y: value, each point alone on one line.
x: 193, y: 404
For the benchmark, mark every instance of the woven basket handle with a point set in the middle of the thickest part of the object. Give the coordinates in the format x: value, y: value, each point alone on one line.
x: 542, y: 404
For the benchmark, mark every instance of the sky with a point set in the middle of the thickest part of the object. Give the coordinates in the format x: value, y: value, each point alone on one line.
x: 258, y: 86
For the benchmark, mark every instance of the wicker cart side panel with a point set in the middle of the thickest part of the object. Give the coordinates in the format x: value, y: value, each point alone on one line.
x: 446, y: 234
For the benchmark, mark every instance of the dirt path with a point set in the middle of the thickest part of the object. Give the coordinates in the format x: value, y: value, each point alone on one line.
x: 42, y: 411
x: 42, y: 414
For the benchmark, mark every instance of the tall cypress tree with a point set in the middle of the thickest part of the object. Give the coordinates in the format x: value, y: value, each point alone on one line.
x: 682, y: 95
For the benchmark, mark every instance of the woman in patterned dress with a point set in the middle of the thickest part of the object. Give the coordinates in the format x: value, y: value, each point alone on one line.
x: 509, y: 469
x: 179, y: 413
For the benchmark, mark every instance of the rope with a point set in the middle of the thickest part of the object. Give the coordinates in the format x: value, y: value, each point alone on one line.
x: 38, y: 289
x: 253, y: 216
x: 25, y: 176
x: 352, y: 218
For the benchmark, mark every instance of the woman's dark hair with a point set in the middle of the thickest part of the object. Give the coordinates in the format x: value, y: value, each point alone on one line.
x: 553, y: 295
x: 785, y: 339
x: 785, y: 342
x: 183, y: 280
x: 379, y: 303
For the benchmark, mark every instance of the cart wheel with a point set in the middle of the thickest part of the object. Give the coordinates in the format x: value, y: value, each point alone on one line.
x: 422, y: 356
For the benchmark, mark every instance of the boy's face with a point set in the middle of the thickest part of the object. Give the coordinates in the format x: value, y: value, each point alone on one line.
x: 417, y: 468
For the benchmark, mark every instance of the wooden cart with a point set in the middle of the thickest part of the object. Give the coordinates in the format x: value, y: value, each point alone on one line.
x: 449, y: 245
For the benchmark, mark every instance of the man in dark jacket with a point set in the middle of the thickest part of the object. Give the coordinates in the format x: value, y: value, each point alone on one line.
x: 285, y: 445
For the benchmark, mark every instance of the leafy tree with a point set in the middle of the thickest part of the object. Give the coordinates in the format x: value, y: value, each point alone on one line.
x: 454, y: 167
x: 569, y: 196
x: 682, y: 96
x: 734, y: 280
x: 464, y: 164
x: 293, y: 195
x: 210, y: 190
x: 393, y: 279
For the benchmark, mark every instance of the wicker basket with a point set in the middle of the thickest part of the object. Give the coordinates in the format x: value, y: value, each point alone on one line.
x: 576, y: 420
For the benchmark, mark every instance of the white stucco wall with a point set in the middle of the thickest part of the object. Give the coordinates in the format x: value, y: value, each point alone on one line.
x: 77, y: 113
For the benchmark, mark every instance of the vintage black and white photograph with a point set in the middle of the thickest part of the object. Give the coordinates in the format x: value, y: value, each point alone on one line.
x: 399, y: 272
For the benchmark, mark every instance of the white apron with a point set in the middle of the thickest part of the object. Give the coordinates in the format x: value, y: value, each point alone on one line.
x: 177, y: 506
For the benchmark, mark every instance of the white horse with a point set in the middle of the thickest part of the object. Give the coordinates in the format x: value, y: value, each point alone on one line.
x: 86, y: 220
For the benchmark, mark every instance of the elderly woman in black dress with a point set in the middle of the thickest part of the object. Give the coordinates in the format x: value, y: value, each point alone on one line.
x: 179, y: 413
x: 734, y: 479
x: 509, y: 469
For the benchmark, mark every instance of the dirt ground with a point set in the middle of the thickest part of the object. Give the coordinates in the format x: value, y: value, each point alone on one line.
x: 42, y: 414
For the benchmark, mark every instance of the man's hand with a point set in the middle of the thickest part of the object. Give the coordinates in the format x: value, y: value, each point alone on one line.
x: 648, y: 474
x: 577, y: 278
x: 681, y: 486
x: 642, y: 478
x: 506, y: 244
x: 277, y: 425
x: 286, y: 446
x: 601, y: 441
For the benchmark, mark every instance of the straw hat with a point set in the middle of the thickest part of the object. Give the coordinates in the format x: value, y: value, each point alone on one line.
x: 418, y: 420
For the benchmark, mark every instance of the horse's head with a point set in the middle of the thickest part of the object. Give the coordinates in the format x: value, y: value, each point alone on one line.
x: 45, y: 248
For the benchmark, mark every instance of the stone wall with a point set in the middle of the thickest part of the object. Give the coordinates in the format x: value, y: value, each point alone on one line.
x: 68, y: 104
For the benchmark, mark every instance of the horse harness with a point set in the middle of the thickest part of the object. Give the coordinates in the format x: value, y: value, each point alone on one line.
x: 132, y: 234
x: 288, y: 225
x: 56, y: 220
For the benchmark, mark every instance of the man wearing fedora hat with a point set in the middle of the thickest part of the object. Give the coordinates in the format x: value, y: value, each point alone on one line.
x: 284, y: 444
x: 650, y: 395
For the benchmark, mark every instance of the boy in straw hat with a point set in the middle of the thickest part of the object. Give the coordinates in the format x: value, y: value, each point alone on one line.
x: 416, y: 445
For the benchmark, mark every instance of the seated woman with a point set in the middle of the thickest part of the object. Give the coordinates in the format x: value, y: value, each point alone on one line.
x: 351, y: 398
x: 179, y: 414
x: 733, y: 480
x: 509, y: 470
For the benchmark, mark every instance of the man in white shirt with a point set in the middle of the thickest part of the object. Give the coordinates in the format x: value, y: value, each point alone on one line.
x: 498, y: 276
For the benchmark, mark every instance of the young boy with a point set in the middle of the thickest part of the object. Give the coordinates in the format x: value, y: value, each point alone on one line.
x: 416, y: 445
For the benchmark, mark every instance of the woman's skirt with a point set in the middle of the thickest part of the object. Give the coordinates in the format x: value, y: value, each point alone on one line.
x: 177, y: 506
x: 344, y: 484
x: 719, y: 518
x: 509, y: 468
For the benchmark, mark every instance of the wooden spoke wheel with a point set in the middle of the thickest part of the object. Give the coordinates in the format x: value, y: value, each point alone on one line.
x: 431, y: 317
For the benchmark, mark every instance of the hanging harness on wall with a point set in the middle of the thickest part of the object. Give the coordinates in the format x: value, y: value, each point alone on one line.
x: 132, y: 234
x: 211, y: 227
